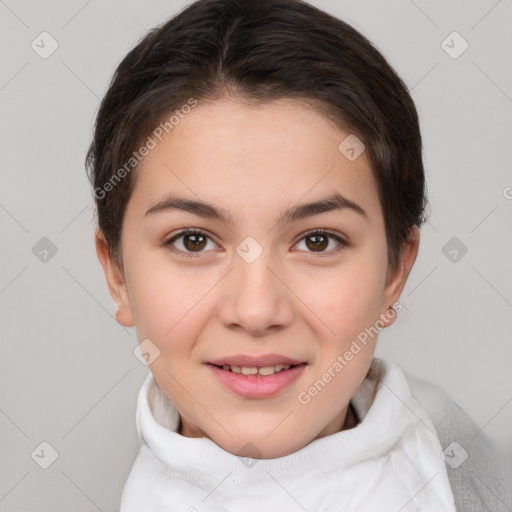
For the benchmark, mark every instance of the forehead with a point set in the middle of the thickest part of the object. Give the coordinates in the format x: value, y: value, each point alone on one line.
x: 254, y: 156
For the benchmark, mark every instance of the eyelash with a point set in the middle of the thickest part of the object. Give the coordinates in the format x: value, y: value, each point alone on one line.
x: 192, y: 231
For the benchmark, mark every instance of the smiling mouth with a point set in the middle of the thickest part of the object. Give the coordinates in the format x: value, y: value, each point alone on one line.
x: 257, y: 377
x: 262, y: 371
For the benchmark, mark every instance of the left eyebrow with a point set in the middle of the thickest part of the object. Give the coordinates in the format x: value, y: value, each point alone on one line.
x: 335, y: 202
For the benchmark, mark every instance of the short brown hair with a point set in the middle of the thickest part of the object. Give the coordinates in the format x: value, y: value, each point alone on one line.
x: 261, y: 50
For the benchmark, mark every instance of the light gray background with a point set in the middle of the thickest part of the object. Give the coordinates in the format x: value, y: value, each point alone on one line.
x: 68, y: 373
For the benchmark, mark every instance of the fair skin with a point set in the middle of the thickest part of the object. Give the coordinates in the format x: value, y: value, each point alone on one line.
x: 309, y: 305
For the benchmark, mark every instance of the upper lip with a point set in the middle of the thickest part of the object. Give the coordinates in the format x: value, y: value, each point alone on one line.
x: 252, y: 361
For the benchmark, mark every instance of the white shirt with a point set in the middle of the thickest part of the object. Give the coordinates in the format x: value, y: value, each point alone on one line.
x: 391, y: 461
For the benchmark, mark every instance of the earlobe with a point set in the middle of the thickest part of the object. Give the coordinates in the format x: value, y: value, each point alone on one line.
x: 396, y: 282
x: 115, y: 280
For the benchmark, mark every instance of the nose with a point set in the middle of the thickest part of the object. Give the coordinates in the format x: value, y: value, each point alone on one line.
x: 255, y: 298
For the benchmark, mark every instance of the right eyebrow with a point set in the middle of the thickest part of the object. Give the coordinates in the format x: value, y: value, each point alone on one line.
x: 199, y: 208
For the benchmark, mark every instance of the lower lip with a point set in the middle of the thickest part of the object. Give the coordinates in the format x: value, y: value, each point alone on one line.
x: 257, y: 386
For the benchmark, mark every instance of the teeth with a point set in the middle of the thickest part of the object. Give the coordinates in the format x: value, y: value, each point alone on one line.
x: 266, y: 370
x: 253, y: 370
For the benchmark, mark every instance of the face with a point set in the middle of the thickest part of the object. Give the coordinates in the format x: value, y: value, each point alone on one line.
x: 260, y: 281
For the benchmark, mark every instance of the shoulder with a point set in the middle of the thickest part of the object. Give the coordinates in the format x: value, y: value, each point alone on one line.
x: 480, y: 478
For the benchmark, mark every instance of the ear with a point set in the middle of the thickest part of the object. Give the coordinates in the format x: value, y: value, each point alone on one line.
x: 115, y: 280
x: 396, y: 282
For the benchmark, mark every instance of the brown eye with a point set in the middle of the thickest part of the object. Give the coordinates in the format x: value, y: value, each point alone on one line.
x: 189, y: 243
x: 318, y: 241
x: 194, y: 242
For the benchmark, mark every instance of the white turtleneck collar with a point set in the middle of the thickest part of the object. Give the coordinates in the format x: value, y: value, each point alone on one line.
x: 390, y: 461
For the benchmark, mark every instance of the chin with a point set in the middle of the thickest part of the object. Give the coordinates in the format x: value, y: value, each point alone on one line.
x: 260, y: 445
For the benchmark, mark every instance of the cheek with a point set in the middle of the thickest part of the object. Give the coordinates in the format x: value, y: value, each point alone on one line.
x: 347, y: 300
x: 165, y: 301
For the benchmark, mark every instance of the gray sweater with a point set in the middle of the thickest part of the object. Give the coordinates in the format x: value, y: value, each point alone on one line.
x: 483, y: 480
